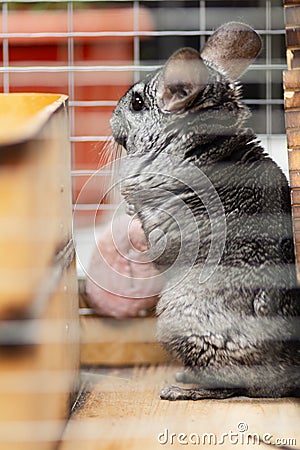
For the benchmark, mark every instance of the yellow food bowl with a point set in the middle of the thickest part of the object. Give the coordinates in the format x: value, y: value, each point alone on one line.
x: 23, y: 115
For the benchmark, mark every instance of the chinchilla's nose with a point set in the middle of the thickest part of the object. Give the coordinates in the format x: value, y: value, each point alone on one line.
x: 118, y: 132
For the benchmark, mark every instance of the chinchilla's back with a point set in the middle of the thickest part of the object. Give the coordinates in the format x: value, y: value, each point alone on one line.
x: 216, y: 212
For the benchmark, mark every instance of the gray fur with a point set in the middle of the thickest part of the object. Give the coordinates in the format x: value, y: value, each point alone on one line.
x: 237, y: 331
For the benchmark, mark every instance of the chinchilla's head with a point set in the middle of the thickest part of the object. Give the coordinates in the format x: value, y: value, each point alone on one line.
x: 192, y: 99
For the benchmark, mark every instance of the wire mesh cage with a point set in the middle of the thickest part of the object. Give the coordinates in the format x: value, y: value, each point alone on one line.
x: 93, y: 51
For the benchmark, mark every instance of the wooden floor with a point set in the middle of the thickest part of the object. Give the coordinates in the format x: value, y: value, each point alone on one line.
x: 121, y: 409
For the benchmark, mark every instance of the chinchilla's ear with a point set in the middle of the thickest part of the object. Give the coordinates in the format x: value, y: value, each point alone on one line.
x: 232, y: 48
x: 183, y: 77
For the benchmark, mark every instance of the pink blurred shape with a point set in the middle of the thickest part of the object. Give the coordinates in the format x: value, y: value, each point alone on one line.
x: 122, y: 281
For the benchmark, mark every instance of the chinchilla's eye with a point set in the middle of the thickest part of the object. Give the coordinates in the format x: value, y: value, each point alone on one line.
x: 137, y: 102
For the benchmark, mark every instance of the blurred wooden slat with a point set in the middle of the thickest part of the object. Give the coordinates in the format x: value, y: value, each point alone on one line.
x: 297, y: 237
x: 291, y: 80
x: 292, y: 119
x: 291, y: 99
x: 292, y: 15
x: 124, y: 354
x: 294, y: 179
x: 291, y: 2
x: 296, y: 211
x: 293, y: 37
x: 294, y: 158
x: 35, y: 202
x: 298, y: 253
x: 297, y: 224
x: 295, y: 197
x: 293, y: 59
x: 36, y: 380
x: 293, y: 137
x: 39, y: 344
x: 107, y: 341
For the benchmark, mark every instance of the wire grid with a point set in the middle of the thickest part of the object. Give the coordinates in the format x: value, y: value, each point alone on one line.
x: 136, y: 67
x: 93, y: 142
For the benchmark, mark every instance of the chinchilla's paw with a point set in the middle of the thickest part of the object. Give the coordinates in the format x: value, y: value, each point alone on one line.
x: 173, y: 393
x: 177, y: 393
x: 130, y: 209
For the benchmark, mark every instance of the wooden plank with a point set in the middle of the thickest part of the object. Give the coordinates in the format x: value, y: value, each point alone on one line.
x: 297, y: 237
x: 291, y: 79
x: 291, y: 2
x: 121, y: 409
x: 296, y: 224
x: 292, y: 99
x: 36, y: 380
x: 296, y: 211
x: 293, y: 59
x: 292, y: 15
x: 296, y: 232
x: 124, y: 354
x: 292, y: 119
x: 107, y: 341
x: 292, y: 37
x: 297, y: 252
x: 294, y: 179
x: 295, y: 196
x: 294, y: 159
x: 293, y: 137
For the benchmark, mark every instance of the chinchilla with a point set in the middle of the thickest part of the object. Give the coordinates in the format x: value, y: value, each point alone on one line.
x: 215, y: 209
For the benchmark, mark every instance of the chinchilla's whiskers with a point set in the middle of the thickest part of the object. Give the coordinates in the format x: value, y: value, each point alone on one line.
x: 110, y: 152
x: 106, y: 154
x: 93, y: 152
x: 118, y: 149
x: 110, y: 159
